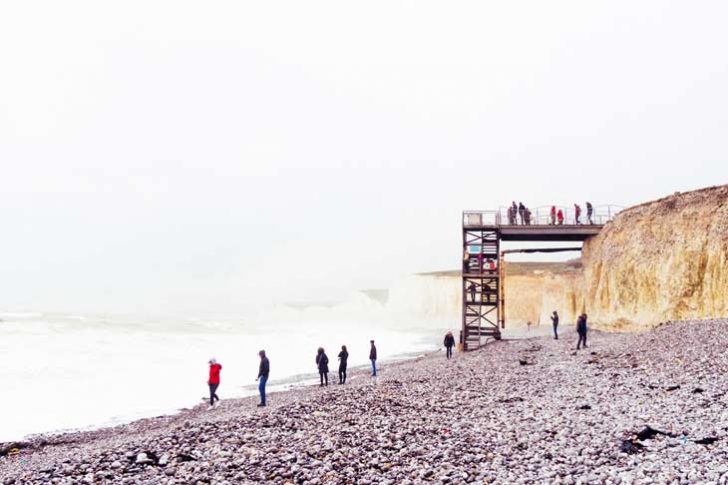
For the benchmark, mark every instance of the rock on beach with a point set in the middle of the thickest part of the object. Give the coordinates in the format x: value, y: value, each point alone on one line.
x: 624, y: 410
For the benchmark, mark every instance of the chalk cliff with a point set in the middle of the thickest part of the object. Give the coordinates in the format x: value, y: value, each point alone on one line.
x: 662, y: 260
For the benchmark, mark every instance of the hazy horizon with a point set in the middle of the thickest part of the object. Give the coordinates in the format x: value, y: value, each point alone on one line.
x: 169, y: 158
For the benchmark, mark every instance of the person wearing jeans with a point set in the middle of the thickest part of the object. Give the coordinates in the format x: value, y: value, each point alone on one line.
x: 555, y: 324
x: 373, y: 358
x: 263, y: 372
x: 449, y: 343
x: 214, y: 380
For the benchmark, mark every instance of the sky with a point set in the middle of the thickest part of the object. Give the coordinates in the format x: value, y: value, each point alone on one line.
x: 174, y: 156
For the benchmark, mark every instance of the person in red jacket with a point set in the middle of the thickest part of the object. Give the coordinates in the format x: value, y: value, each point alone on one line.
x: 560, y: 217
x: 214, y: 380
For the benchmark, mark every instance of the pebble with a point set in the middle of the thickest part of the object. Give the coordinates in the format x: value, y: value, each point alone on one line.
x: 480, y: 417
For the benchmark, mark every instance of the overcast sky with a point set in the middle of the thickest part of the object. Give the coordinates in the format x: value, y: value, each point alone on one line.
x: 179, y: 156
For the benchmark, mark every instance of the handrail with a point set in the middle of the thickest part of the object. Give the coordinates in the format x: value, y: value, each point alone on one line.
x: 541, y: 216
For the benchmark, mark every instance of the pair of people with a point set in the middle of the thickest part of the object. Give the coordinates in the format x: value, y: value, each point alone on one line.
x: 322, y: 362
x: 557, y: 216
x: 213, y: 380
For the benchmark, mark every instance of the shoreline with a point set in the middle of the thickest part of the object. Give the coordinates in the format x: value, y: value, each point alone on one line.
x: 515, y: 411
x: 287, y: 384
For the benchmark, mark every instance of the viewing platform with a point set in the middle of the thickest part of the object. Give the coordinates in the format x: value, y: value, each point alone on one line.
x: 483, y: 276
x: 541, y: 227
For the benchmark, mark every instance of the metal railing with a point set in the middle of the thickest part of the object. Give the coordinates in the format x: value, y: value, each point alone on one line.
x: 541, y: 216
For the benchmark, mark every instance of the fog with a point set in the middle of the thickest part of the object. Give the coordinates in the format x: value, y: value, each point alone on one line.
x: 176, y: 157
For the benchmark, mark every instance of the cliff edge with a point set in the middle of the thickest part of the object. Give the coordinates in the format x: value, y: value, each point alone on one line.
x: 658, y: 261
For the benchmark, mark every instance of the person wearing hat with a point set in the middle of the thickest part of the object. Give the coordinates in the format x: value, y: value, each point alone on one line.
x: 322, y: 363
x: 214, y: 380
x: 373, y: 358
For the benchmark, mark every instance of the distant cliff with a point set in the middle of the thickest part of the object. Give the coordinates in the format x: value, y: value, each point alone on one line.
x: 663, y: 260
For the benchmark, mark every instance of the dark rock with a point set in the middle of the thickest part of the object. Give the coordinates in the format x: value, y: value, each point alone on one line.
x: 631, y: 447
x: 648, y: 432
x: 707, y: 441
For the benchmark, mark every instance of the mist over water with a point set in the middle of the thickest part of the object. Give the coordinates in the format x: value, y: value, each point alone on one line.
x: 64, y: 372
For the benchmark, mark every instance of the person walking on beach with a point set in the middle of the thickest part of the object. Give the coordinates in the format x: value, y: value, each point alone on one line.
x: 214, y: 380
x: 589, y: 212
x: 343, y: 357
x: 449, y: 343
x: 322, y: 362
x: 581, y: 329
x: 263, y: 372
x: 373, y: 358
x: 555, y: 323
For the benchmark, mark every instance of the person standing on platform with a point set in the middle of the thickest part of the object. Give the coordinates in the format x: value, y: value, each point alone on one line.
x: 560, y: 217
x: 581, y: 329
x: 514, y: 208
x: 471, y: 289
x: 263, y: 372
x: 214, y: 380
x: 343, y: 357
x: 555, y: 323
x: 553, y: 215
x: 373, y: 358
x: 449, y: 343
x: 509, y: 212
x: 522, y: 212
x: 577, y: 213
x: 322, y: 362
x: 589, y: 212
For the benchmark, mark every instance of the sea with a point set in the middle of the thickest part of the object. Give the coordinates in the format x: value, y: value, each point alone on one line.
x: 66, y: 372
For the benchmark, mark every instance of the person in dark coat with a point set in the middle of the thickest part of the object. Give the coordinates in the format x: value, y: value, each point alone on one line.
x: 322, y: 362
x: 471, y: 289
x: 555, y: 323
x: 589, y: 212
x: 263, y: 372
x: 449, y: 343
x: 522, y: 212
x: 373, y: 358
x: 343, y: 357
x: 581, y: 329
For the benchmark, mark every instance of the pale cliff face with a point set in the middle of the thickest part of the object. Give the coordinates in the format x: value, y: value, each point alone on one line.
x: 533, y: 297
x: 664, y: 260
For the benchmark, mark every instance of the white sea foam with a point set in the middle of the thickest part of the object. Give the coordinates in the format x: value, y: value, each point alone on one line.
x: 61, y: 372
